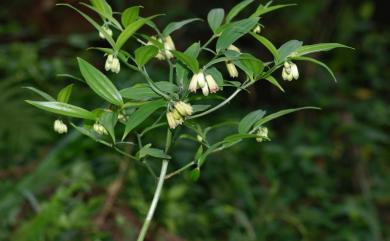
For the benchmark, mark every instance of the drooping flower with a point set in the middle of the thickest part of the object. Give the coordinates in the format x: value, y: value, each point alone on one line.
x: 212, y: 85
x: 60, y: 127
x: 290, y: 71
x: 232, y: 70
x: 257, y: 29
x: 99, y: 128
x: 197, y: 81
x: 176, y: 115
x: 183, y: 108
x: 205, y: 89
x: 168, y: 44
x: 112, y: 64
x: 262, y: 134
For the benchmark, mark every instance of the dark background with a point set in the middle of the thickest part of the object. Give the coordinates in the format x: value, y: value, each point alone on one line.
x: 324, y: 176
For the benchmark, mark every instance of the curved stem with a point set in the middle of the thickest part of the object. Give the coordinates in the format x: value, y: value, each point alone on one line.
x: 179, y: 171
x: 156, y: 197
x: 216, y: 107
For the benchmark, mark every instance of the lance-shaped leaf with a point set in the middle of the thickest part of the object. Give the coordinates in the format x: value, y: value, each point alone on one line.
x: 102, y: 6
x: 278, y: 114
x: 63, y: 109
x: 237, y: 9
x: 273, y: 81
x: 215, y: 18
x: 143, y: 92
x: 130, y: 15
x: 41, y: 93
x: 130, y: 30
x: 263, y: 9
x: 141, y: 115
x: 318, y: 63
x: 64, y: 94
x: 268, y: 44
x: 313, y: 48
x: 99, y: 83
x: 172, y: 27
x: 109, y: 119
x: 191, y: 62
x: 287, y: 49
x: 105, y: 15
x: 251, y: 65
x: 249, y: 120
x: 235, y: 31
x: 144, y: 54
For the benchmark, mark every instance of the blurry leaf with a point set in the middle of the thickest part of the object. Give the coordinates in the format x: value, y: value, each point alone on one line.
x: 105, y: 15
x: 144, y: 54
x: 141, y: 115
x: 266, y: 9
x: 268, y: 44
x: 249, y: 120
x: 102, y: 6
x: 200, y: 108
x: 319, y: 63
x: 195, y: 174
x: 64, y: 94
x: 238, y: 137
x: 251, y: 65
x: 91, y: 21
x: 130, y: 15
x: 177, y: 25
x: 235, y: 31
x: 273, y: 81
x: 90, y: 133
x: 308, y: 49
x: 193, y: 50
x: 188, y: 60
x: 147, y: 150
x: 237, y: 9
x: 282, y: 113
x: 109, y: 119
x: 41, y: 93
x: 215, y: 18
x: 63, y: 109
x: 99, y: 83
x: 287, y: 49
x: 143, y: 92
x: 130, y: 30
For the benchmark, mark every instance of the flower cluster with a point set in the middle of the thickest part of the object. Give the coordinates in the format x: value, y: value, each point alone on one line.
x: 176, y: 116
x: 262, y: 134
x: 290, y: 71
x: 107, y: 30
x: 169, y: 45
x: 60, y: 127
x: 113, y: 64
x: 205, y: 82
x: 99, y: 128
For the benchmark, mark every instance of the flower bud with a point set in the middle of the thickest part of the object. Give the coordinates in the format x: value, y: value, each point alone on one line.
x: 171, y: 120
x: 294, y: 71
x: 233, y: 72
x: 205, y: 90
x: 257, y: 29
x: 176, y: 115
x: 169, y: 45
x: 201, y: 79
x: 109, y: 61
x: 199, y: 138
x: 234, y: 48
x: 99, y: 129
x: 262, y: 134
x: 116, y: 66
x: 183, y: 108
x: 107, y: 30
x: 213, y: 86
x: 60, y: 127
x: 193, y: 84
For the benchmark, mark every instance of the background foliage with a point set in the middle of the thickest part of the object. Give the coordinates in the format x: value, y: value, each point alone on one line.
x: 324, y: 176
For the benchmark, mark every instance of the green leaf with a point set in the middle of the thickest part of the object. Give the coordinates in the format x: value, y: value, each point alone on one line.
x: 109, y: 119
x: 172, y: 27
x: 193, y: 50
x: 105, y: 15
x: 215, y: 18
x: 195, y: 174
x: 308, y: 49
x: 249, y: 120
x: 64, y: 94
x: 63, y: 109
x: 143, y: 92
x: 141, y: 115
x: 238, y: 137
x: 282, y: 113
x: 130, y: 15
x: 147, y: 150
x: 144, y: 54
x: 130, y: 30
x: 191, y: 62
x: 91, y: 134
x: 266, y: 9
x: 268, y: 44
x: 41, y: 93
x: 99, y: 83
x: 273, y: 81
x: 92, y: 22
x: 237, y: 9
x: 235, y: 31
x: 200, y: 108
x: 102, y: 6
x: 287, y: 49
x: 251, y: 65
x: 318, y: 63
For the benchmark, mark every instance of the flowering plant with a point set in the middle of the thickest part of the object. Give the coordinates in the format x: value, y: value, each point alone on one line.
x: 171, y: 104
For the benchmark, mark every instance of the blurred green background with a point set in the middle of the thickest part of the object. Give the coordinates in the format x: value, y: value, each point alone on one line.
x: 324, y: 176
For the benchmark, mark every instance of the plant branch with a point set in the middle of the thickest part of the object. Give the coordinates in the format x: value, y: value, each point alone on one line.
x: 179, y: 171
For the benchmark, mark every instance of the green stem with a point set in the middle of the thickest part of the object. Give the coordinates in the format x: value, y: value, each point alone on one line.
x: 179, y: 171
x: 222, y: 104
x: 157, y: 193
